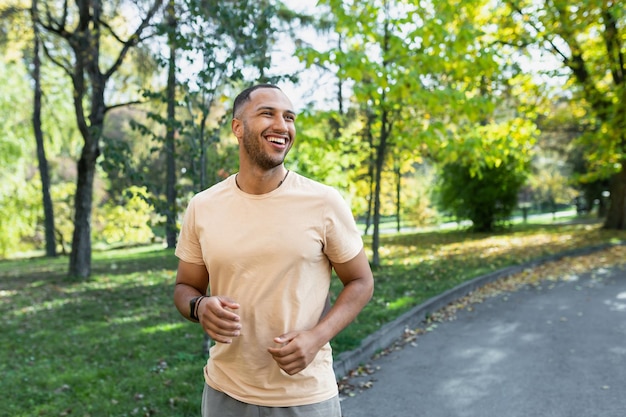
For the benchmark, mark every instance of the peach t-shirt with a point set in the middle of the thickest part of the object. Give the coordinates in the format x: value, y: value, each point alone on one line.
x: 270, y: 253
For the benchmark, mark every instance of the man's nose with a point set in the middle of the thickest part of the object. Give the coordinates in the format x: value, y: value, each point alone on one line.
x: 280, y: 124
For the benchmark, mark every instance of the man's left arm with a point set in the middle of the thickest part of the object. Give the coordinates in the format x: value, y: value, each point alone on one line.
x: 298, y: 349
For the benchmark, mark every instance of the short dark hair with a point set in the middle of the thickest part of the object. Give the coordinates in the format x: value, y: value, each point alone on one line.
x: 245, y: 96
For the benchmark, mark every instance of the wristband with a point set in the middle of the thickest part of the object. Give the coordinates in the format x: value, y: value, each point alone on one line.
x: 193, y: 307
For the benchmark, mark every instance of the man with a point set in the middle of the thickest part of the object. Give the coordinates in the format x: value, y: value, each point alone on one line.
x: 265, y: 240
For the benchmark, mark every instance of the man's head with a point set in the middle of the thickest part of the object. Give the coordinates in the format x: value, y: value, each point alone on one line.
x: 264, y: 124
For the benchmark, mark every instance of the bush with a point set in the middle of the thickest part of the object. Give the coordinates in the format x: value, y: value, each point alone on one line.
x: 486, y: 199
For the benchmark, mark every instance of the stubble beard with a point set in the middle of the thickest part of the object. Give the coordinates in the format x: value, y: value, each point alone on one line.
x: 252, y: 146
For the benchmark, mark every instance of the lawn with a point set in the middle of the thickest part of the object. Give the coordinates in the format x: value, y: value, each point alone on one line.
x: 114, y: 345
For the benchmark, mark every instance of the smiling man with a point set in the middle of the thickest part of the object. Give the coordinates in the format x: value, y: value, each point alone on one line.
x: 256, y: 253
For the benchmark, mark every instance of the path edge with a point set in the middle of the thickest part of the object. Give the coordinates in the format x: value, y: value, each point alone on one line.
x: 384, y: 337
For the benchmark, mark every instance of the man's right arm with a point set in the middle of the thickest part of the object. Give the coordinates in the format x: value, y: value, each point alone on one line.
x: 191, y: 281
x: 214, y: 313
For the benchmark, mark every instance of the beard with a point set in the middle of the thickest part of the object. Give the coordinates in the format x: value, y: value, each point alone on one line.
x: 253, y: 147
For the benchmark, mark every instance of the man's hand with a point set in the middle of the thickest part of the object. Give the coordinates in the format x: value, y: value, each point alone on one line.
x: 217, y: 319
x: 297, y: 351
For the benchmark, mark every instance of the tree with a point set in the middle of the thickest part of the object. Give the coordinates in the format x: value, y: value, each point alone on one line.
x: 14, y: 14
x: 81, y: 28
x: 39, y: 138
x: 588, y: 38
x: 413, y: 68
x: 171, y: 23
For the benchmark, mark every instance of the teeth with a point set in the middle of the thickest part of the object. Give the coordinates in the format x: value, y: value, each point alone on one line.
x: 280, y: 141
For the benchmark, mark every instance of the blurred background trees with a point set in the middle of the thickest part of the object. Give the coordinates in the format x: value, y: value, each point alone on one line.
x: 419, y: 112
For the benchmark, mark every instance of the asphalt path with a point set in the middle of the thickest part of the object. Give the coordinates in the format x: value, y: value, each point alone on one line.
x: 557, y: 350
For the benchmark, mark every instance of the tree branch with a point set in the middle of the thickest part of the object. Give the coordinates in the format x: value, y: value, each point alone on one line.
x: 115, y: 106
x: 111, y: 31
x: 545, y: 38
x: 134, y: 39
x: 66, y: 67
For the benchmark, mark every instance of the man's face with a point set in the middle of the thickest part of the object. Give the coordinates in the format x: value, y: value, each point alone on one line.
x: 265, y: 127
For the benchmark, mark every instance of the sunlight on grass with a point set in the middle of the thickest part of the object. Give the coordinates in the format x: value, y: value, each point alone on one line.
x: 5, y: 293
x: 46, y: 306
x: 126, y: 319
x: 165, y: 327
x: 400, y: 303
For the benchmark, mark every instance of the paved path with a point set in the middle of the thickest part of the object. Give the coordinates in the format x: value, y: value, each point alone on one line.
x: 554, y: 351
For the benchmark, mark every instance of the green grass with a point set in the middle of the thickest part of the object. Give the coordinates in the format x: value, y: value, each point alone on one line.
x: 114, y: 345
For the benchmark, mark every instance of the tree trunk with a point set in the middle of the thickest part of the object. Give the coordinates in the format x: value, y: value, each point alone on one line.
x: 170, y: 136
x: 48, y: 210
x: 380, y: 161
x: 86, y: 46
x: 370, y: 172
x: 370, y: 201
x: 203, y: 150
x: 616, y: 213
x: 398, y: 198
x: 80, y: 257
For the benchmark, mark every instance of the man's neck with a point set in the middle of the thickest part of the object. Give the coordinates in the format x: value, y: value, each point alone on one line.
x: 261, y: 183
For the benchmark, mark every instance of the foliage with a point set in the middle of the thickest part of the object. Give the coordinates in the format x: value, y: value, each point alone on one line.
x: 330, y: 155
x: 549, y: 182
x: 411, y: 68
x: 423, y: 75
x: 128, y: 220
x: 587, y: 39
x: 127, y: 155
x: 63, y: 198
x: 483, y: 185
x: 559, y: 161
x: 89, y: 43
x: 418, y: 209
x: 487, y: 200
x: 19, y: 202
x: 15, y: 130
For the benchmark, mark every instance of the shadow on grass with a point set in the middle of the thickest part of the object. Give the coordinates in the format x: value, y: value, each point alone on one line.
x: 16, y: 273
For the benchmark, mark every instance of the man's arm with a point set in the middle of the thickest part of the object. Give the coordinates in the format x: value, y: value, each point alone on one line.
x: 299, y: 348
x: 219, y: 323
x: 191, y: 281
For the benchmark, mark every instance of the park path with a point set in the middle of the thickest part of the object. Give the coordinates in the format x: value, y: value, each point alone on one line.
x: 557, y: 349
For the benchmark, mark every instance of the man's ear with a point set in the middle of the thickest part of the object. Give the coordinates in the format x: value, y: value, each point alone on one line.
x: 237, y: 127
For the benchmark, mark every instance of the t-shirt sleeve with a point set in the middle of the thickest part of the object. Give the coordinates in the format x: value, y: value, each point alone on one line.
x: 188, y: 247
x: 342, y: 238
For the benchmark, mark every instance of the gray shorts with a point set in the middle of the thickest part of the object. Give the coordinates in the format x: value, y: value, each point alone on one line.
x: 218, y: 404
